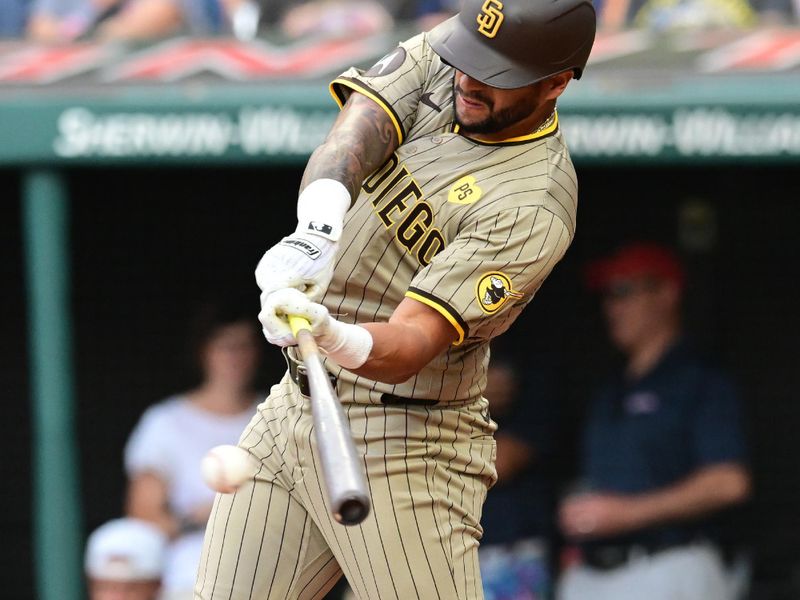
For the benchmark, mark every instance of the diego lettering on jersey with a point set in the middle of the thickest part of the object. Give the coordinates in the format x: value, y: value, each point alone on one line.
x: 399, y: 203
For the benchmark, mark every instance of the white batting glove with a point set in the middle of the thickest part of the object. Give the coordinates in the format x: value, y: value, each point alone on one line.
x: 276, y: 308
x: 297, y: 261
x: 304, y: 259
x: 348, y: 345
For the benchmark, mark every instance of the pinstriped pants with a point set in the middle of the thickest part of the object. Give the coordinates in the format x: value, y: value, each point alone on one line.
x: 428, y: 470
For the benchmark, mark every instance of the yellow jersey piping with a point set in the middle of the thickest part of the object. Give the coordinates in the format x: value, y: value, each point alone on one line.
x: 443, y: 309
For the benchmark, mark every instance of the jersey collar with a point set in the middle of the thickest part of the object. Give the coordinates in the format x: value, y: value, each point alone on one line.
x: 547, y: 128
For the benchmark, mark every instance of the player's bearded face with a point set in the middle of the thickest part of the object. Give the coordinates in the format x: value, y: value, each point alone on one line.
x: 481, y: 109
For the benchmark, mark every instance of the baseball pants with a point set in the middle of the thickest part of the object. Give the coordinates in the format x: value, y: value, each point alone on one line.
x: 428, y: 470
x: 692, y: 572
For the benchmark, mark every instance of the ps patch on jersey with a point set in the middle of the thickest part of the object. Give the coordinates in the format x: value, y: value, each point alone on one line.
x: 464, y: 191
x: 492, y: 291
x: 388, y: 64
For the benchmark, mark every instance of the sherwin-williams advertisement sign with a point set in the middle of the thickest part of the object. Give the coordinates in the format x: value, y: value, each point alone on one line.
x: 724, y: 98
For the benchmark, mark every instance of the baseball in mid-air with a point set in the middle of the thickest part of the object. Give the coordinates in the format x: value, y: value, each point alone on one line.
x: 225, y: 468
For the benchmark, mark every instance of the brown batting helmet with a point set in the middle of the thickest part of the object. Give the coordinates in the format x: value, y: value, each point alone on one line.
x: 513, y: 43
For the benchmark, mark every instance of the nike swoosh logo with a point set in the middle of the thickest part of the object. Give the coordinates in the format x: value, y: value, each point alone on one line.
x: 426, y: 99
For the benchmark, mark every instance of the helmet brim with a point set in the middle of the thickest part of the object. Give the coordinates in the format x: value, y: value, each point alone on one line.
x: 460, y: 48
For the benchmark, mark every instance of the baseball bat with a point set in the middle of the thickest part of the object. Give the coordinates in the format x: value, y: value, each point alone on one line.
x: 344, y: 480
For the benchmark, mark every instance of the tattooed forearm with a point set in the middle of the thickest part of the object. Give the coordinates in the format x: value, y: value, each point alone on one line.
x: 361, y: 140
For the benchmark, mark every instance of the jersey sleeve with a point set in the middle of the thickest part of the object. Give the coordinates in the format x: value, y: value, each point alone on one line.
x: 395, y: 82
x: 146, y: 447
x: 484, y: 278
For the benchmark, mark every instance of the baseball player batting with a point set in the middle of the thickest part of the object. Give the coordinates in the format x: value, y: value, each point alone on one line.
x: 441, y: 199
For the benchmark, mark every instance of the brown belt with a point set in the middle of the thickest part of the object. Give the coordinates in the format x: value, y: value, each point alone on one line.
x: 297, y: 372
x: 608, y: 557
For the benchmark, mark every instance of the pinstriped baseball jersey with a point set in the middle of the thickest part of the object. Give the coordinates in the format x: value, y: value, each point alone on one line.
x: 467, y: 227
x: 470, y: 229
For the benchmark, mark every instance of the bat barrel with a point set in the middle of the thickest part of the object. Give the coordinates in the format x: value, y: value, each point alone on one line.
x: 353, y: 511
x: 345, y: 484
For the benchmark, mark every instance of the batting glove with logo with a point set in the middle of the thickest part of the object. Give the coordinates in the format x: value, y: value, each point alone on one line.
x: 304, y: 260
x: 348, y: 345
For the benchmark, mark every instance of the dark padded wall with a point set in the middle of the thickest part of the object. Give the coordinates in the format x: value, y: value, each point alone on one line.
x: 15, y: 446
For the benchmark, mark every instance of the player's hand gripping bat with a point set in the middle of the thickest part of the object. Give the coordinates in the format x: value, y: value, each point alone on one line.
x: 344, y: 480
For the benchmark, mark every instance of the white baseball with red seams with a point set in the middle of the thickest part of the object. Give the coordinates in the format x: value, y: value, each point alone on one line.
x: 225, y: 468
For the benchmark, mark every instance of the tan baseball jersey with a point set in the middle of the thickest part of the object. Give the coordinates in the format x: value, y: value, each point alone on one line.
x: 468, y: 228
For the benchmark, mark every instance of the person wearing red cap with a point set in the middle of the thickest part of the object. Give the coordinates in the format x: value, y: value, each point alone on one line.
x: 663, y: 448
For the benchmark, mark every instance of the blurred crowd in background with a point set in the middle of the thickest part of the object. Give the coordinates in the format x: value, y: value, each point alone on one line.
x: 55, y: 21
x: 162, y: 462
x: 644, y: 513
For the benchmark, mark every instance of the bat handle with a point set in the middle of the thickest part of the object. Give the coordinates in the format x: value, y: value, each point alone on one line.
x: 299, y: 324
x: 301, y: 329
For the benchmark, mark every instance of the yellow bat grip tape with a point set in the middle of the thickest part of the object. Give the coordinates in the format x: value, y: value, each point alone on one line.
x: 298, y: 324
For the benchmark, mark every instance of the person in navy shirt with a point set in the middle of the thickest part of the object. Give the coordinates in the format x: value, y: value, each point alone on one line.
x: 663, y: 448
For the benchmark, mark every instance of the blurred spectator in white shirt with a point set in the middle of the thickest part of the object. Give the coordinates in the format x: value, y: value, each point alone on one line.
x: 164, y: 452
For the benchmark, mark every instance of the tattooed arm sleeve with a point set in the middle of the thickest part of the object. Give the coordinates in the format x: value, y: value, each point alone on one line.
x: 379, y: 108
x: 361, y: 140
